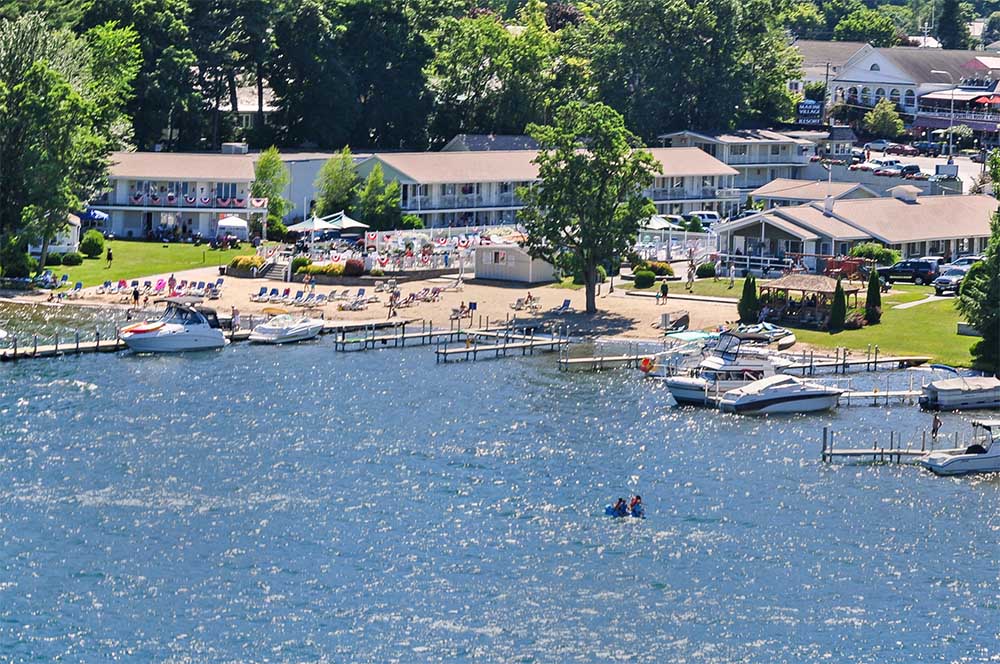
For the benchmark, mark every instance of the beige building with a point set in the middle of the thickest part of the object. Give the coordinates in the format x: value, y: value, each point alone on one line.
x: 783, y: 192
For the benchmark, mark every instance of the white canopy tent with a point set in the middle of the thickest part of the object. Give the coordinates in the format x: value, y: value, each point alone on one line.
x: 341, y: 222
x: 234, y: 226
x: 311, y: 226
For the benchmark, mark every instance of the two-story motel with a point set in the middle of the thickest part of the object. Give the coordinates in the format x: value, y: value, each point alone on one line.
x: 464, y: 188
x: 152, y: 191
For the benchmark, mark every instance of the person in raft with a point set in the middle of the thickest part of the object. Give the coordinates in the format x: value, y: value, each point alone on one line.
x: 620, y: 508
x: 635, y: 508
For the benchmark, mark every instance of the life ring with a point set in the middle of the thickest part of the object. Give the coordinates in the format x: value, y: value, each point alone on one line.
x: 646, y: 365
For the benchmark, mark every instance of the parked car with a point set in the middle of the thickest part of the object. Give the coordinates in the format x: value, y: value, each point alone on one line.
x: 950, y: 281
x: 899, y: 171
x: 936, y: 261
x: 857, y: 156
x: 928, y: 148
x: 979, y: 157
x: 878, y: 144
x: 903, y: 150
x: 919, y: 272
x: 707, y: 217
x: 876, y: 164
x: 964, y: 262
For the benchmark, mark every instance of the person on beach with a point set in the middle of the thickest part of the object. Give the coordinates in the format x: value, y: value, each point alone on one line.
x: 111, y: 257
x: 236, y: 318
x: 690, y: 277
x: 936, y: 426
x: 135, y: 296
x: 664, y: 291
x: 732, y: 274
x: 171, y: 284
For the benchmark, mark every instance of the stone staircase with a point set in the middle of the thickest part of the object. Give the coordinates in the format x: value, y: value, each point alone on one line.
x: 274, y: 271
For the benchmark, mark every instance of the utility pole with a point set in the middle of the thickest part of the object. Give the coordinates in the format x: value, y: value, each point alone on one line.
x: 826, y: 93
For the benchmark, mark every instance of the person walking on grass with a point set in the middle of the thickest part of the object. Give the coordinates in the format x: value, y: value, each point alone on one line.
x: 110, y: 256
x: 718, y: 269
x: 690, y: 277
x: 732, y: 274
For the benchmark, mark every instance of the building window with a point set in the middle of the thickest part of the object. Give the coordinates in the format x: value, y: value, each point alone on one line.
x: 738, y: 150
x: 894, y: 96
x: 793, y: 86
x: 676, y: 183
x: 880, y: 94
x: 775, y: 149
x: 866, y: 95
x: 875, y: 67
x: 909, y: 99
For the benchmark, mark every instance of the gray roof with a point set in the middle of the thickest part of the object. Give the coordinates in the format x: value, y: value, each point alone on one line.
x: 917, y: 63
x: 817, y: 53
x: 484, y: 142
x: 842, y: 133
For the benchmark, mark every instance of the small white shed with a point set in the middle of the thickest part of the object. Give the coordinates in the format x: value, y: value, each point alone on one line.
x: 509, y: 262
x: 234, y: 226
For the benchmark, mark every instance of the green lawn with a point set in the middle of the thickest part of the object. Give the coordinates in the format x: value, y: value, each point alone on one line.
x: 927, y: 329
x: 140, y: 259
x: 567, y: 283
x: 706, y: 287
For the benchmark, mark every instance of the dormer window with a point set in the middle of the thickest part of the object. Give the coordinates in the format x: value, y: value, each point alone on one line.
x: 875, y: 67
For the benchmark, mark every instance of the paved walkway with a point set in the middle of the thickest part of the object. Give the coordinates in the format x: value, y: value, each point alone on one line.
x: 684, y: 296
x: 917, y: 303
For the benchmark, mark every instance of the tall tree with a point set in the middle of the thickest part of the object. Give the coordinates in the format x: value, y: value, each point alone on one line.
x: 867, y: 25
x: 804, y: 20
x: 336, y: 184
x: 590, y: 200
x: 62, y: 100
x: 953, y: 29
x: 271, y: 177
x: 378, y: 203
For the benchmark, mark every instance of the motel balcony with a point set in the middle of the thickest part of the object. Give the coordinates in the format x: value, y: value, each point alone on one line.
x: 460, y: 202
x: 177, y: 201
x: 754, y: 158
x: 683, y: 194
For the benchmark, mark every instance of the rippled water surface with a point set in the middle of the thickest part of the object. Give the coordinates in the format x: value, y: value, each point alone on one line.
x: 292, y: 505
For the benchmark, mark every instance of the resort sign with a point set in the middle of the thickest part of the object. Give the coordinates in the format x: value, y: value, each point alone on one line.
x: 810, y: 112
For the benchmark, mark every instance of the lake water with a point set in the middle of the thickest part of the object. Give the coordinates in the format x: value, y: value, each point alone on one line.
x: 297, y: 505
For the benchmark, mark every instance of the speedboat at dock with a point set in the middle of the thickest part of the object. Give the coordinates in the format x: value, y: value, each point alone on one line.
x: 285, y: 328
x: 184, y: 326
x: 982, y: 456
x: 780, y: 394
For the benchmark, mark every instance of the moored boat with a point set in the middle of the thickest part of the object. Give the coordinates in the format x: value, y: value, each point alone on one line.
x: 728, y: 367
x: 780, y: 394
x: 184, y: 326
x: 285, y: 328
x: 982, y: 456
x: 961, y: 393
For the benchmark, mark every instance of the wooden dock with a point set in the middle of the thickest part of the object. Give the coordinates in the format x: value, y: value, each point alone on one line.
x: 844, y: 361
x: 895, y: 452
x: 504, y: 344
x: 601, y: 362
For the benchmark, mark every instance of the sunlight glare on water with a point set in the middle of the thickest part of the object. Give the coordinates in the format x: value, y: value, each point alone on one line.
x: 295, y: 504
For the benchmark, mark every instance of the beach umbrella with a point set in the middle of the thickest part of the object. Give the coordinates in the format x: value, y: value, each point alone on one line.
x: 311, y: 226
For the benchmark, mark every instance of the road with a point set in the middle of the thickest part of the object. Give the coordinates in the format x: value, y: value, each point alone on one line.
x: 967, y: 169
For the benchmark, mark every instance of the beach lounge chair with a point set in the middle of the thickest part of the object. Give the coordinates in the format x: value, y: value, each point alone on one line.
x: 103, y: 288
x: 309, y: 299
x: 361, y: 295
x: 147, y: 286
x: 422, y: 294
x: 344, y: 295
x: 64, y: 281
x: 271, y: 296
x: 354, y: 305
x: 320, y: 300
x: 198, y: 290
x: 212, y: 292
x: 161, y: 285
x: 261, y: 295
x: 299, y: 297
x: 76, y: 291
x: 277, y: 299
x: 563, y: 308
x: 518, y: 304
x: 379, y: 286
x: 435, y: 295
x: 407, y: 301
x: 181, y: 287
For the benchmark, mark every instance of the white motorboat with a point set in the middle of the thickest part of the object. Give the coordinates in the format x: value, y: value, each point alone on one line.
x: 285, y: 328
x: 780, y: 394
x: 726, y: 368
x: 184, y: 326
x: 962, y: 393
x: 982, y: 456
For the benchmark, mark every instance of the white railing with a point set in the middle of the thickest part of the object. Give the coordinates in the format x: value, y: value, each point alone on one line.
x: 784, y: 158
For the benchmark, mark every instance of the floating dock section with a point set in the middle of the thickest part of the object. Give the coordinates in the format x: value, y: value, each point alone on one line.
x: 895, y: 451
x: 502, y: 343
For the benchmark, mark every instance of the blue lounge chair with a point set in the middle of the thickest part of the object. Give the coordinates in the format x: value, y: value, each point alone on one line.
x: 273, y: 295
x: 260, y: 296
x: 563, y: 308
x: 64, y: 281
x: 77, y: 290
x: 298, y: 297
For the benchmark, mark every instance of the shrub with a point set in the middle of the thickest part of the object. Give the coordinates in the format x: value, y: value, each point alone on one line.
x: 246, y: 262
x: 660, y: 269
x: 838, y: 310
x: 300, y: 262
x: 92, y: 244
x: 694, y: 225
x: 54, y: 259
x: 644, y: 279
x: 32, y: 265
x: 855, y: 320
x: 330, y: 269
x: 705, y: 270
x: 354, y: 267
x: 72, y: 258
x: 276, y: 229
x: 602, y: 274
x: 376, y: 272
x: 874, y: 251
x: 749, y: 304
x: 873, y: 299
x: 639, y: 264
x: 14, y: 260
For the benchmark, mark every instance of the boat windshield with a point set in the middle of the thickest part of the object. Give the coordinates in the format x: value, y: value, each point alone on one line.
x: 182, y: 316
x: 282, y: 320
x: 728, y: 346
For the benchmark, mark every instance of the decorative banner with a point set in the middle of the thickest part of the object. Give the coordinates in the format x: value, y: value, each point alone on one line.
x: 372, y: 237
x: 137, y: 198
x: 258, y: 202
x: 238, y: 202
x: 442, y: 241
x: 463, y: 243
x: 387, y: 238
x: 223, y: 202
x: 425, y: 259
x: 190, y: 200
x: 335, y: 258
x: 383, y: 260
x: 171, y: 197
x: 155, y: 198
x: 206, y: 200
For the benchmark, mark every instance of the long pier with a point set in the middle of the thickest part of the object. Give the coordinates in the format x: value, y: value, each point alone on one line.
x: 842, y: 362
x: 77, y: 345
x: 505, y: 343
x: 896, y: 452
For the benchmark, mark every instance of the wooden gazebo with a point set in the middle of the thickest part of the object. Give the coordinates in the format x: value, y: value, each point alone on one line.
x: 814, y: 295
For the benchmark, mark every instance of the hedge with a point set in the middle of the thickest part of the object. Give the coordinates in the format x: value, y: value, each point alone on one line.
x: 92, y: 244
x: 72, y: 258
x: 330, y: 269
x: 705, y: 270
x: 247, y: 262
x: 300, y: 262
x: 53, y: 259
x: 660, y: 268
x: 354, y: 267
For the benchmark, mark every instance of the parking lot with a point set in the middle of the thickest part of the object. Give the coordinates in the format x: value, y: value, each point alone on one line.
x: 967, y: 169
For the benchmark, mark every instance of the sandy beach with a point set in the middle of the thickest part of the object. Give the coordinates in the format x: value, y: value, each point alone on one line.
x: 619, y: 314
